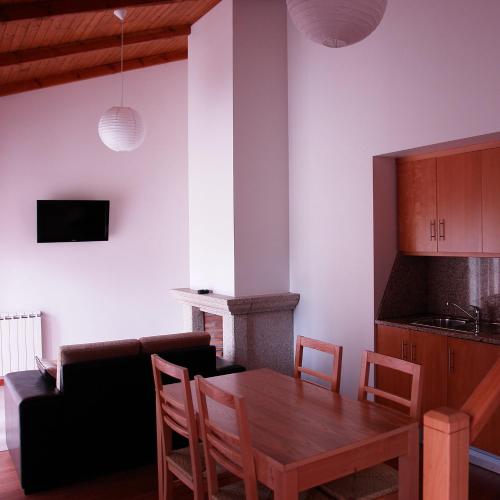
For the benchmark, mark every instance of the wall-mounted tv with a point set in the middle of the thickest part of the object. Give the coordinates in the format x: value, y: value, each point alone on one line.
x: 72, y: 220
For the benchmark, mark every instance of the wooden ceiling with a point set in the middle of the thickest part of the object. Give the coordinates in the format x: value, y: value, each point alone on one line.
x: 49, y: 42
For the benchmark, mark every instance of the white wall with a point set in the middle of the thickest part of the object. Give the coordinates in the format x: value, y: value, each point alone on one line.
x: 210, y: 91
x: 49, y: 149
x: 429, y: 73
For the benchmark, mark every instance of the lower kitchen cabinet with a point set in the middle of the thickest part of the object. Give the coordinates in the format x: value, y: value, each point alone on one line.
x: 426, y: 349
x: 452, y: 369
x: 429, y: 351
x: 468, y: 364
x: 392, y: 342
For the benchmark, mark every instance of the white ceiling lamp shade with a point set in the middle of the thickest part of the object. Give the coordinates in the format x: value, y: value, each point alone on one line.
x: 336, y: 23
x: 121, y: 128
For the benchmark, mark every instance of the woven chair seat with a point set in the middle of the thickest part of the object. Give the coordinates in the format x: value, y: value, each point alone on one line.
x: 314, y: 494
x: 366, y: 484
x: 236, y: 491
x: 182, y: 459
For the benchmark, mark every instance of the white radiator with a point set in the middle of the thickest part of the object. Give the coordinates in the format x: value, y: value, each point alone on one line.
x: 20, y: 341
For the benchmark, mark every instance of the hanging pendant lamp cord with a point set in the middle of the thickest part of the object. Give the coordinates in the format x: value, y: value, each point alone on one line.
x: 121, y: 63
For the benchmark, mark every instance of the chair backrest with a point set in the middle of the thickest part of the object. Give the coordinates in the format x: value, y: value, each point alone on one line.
x: 174, y: 416
x: 414, y: 403
x: 333, y: 379
x: 232, y: 450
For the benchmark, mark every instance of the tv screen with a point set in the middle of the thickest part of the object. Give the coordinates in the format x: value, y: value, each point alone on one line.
x: 64, y: 220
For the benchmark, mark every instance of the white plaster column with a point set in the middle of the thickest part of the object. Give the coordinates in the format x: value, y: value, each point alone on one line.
x: 238, y: 149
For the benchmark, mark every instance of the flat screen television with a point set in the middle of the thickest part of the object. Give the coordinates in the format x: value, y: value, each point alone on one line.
x: 72, y: 220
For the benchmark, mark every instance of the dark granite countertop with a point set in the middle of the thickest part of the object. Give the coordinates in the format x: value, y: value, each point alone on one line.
x: 485, y: 335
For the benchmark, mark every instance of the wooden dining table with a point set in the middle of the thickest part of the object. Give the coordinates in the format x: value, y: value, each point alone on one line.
x: 304, y: 435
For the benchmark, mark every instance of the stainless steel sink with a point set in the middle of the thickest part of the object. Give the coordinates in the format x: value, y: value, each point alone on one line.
x: 457, y: 324
x: 447, y: 323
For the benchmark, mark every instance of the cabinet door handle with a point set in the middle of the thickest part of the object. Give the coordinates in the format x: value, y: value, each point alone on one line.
x: 451, y: 360
x: 413, y: 353
x: 404, y: 345
x: 433, y: 229
x: 442, y: 234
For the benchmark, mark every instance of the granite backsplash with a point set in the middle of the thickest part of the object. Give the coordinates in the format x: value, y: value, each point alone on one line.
x: 423, y: 285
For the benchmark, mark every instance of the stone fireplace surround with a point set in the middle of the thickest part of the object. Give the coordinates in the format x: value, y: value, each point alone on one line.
x: 257, y: 329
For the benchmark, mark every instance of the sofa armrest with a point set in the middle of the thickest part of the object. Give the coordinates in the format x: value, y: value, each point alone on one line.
x: 33, y: 416
x: 224, y: 367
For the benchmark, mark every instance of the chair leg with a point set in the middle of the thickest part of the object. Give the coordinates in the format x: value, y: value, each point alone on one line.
x: 168, y: 484
x: 160, y: 459
x: 199, y: 493
x: 161, y: 476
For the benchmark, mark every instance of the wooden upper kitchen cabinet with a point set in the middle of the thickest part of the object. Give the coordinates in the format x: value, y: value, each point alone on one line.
x: 468, y: 364
x: 490, y: 161
x: 417, y: 216
x: 425, y: 349
x: 440, y: 204
x: 459, y: 203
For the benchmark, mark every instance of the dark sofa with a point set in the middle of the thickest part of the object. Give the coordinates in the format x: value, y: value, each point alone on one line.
x: 100, y: 415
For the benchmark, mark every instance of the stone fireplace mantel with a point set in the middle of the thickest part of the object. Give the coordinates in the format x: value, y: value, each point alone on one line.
x: 225, y: 304
x: 257, y: 329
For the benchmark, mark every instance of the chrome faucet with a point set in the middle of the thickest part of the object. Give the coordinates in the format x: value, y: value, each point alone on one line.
x: 475, y: 316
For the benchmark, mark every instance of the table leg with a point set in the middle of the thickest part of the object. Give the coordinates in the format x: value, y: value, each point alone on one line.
x: 286, y: 487
x: 409, y: 469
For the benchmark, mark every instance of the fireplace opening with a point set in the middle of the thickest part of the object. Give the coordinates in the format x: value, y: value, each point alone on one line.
x: 212, y: 324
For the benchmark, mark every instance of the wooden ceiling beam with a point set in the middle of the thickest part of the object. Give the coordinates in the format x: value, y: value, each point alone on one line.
x: 80, y: 46
x: 47, y: 8
x: 86, y: 73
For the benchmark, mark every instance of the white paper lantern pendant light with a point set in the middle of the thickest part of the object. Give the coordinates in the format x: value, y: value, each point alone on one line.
x: 121, y: 128
x: 336, y: 23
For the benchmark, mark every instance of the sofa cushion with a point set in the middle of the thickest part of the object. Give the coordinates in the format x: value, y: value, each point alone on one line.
x: 107, y: 407
x: 86, y: 366
x: 162, y: 343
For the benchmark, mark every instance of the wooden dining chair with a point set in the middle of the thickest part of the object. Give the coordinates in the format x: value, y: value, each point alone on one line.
x: 232, y: 449
x: 186, y: 463
x: 380, y: 481
x: 333, y: 379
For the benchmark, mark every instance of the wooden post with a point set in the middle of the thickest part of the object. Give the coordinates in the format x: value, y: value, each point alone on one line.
x: 446, y: 455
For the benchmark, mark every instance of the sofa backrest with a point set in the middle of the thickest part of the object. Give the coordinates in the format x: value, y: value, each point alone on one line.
x: 161, y: 343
